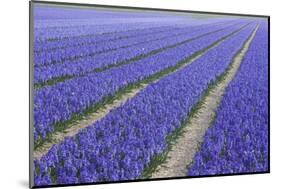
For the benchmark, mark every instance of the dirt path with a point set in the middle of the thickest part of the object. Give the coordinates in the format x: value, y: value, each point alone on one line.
x: 74, y: 128
x: 185, y: 148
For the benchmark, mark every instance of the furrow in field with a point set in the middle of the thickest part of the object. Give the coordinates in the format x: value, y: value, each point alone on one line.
x: 54, y: 74
x: 161, y: 70
x: 120, y: 145
x: 237, y: 141
x: 182, y: 151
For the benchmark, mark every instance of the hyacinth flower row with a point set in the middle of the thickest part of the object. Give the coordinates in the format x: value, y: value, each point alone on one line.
x: 237, y: 142
x: 59, y: 102
x: 121, y: 144
x: 71, y: 52
x: 88, y: 63
x: 94, y: 38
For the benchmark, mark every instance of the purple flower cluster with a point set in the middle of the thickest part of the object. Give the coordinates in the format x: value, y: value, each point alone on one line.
x: 61, y: 101
x: 237, y: 142
x: 120, y: 145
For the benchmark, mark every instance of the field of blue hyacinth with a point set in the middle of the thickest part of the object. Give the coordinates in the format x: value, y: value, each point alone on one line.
x: 84, y: 58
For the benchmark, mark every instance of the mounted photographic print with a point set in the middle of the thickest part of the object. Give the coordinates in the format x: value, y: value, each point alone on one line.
x: 122, y: 94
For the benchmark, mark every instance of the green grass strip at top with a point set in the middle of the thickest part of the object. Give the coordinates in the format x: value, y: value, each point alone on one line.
x: 171, y: 139
x: 60, y: 127
x: 56, y: 80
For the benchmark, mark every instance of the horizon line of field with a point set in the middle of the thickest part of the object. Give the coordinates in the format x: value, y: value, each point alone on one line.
x: 64, y: 75
x: 43, y: 63
x: 76, y: 40
x: 202, y: 52
x: 227, y: 65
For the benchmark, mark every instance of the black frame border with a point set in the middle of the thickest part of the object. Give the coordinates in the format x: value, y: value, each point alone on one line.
x: 31, y: 184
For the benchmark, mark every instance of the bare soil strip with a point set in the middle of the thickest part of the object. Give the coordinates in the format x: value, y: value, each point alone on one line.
x: 92, y: 118
x: 74, y: 128
x: 182, y: 153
